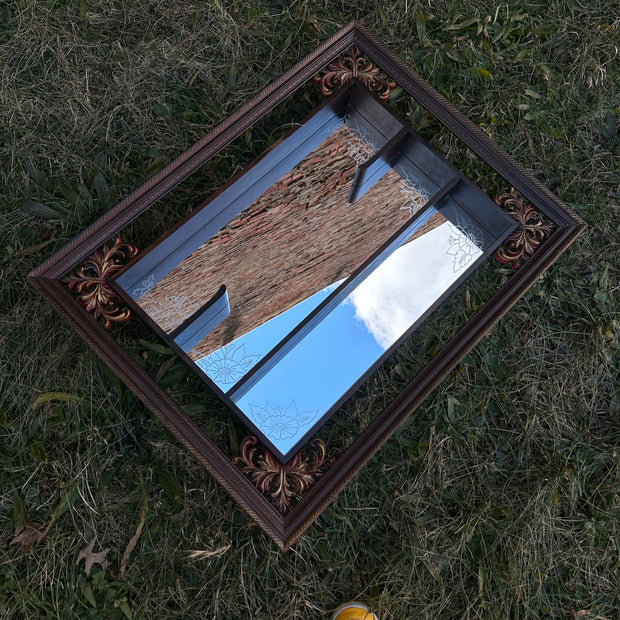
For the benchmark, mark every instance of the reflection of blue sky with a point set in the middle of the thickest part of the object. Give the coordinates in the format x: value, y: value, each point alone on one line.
x: 310, y: 378
x: 316, y: 372
x: 228, y: 364
x: 332, y: 357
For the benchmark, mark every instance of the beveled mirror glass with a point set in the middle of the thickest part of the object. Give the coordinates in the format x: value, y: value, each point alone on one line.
x: 298, y: 278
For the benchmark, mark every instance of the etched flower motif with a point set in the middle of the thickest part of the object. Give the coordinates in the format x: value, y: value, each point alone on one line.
x: 279, y: 422
x: 414, y: 198
x: 144, y: 287
x: 228, y: 364
x: 358, y: 149
x: 281, y: 426
x: 464, y: 244
x: 361, y: 145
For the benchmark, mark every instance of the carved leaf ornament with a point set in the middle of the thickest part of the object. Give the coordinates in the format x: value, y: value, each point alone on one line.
x: 353, y: 64
x: 90, y: 283
x: 531, y: 231
x: 282, y: 484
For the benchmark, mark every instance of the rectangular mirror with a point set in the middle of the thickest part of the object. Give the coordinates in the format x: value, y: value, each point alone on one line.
x: 300, y: 276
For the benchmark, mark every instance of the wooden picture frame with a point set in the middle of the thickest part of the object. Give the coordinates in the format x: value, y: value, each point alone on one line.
x: 285, y: 528
x: 230, y: 213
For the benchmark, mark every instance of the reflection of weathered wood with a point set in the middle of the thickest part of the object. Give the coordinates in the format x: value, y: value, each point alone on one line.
x: 297, y: 238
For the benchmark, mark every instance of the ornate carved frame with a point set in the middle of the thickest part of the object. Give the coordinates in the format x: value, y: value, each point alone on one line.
x: 284, y: 529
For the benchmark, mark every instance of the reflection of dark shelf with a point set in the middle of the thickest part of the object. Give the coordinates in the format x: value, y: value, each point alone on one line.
x: 189, y: 333
x: 371, y: 171
x: 231, y: 200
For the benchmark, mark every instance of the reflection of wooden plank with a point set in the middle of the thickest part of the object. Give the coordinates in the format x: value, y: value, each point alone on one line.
x: 301, y: 234
x: 234, y: 198
x: 298, y: 237
x: 206, y: 319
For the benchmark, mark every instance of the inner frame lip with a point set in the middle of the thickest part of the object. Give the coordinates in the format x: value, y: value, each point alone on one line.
x: 340, y: 103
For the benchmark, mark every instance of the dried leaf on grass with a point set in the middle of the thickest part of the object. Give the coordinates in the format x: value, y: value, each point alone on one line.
x: 30, y: 534
x: 134, y: 539
x: 91, y: 558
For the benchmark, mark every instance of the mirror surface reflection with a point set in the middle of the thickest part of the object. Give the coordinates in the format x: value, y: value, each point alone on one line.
x: 284, y: 295
x: 354, y: 335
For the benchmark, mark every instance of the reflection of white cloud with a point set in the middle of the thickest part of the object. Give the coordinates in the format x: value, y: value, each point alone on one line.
x: 403, y: 287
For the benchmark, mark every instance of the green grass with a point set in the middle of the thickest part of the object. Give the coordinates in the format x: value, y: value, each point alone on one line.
x: 497, y: 499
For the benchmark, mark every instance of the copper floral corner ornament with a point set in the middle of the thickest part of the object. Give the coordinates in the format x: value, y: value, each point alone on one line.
x: 531, y: 231
x: 353, y: 64
x: 282, y: 484
x: 90, y: 283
